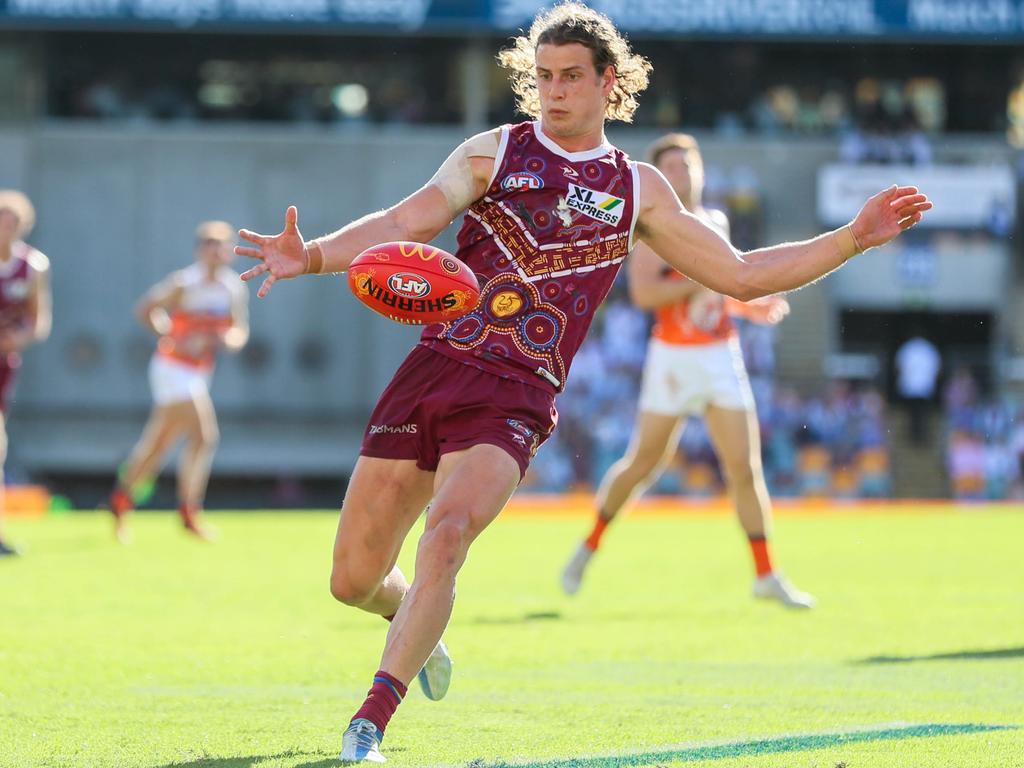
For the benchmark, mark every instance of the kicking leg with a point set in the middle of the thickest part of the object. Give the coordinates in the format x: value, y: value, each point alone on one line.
x: 473, y: 486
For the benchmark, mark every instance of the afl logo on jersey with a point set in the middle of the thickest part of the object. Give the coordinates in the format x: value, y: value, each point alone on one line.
x: 409, y: 285
x: 522, y: 180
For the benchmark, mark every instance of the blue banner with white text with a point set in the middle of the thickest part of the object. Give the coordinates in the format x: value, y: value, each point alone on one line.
x: 997, y: 21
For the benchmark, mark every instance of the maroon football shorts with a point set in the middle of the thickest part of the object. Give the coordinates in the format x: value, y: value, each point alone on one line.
x: 436, y: 405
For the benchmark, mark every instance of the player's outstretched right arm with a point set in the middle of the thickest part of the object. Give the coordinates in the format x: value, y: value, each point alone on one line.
x: 460, y: 181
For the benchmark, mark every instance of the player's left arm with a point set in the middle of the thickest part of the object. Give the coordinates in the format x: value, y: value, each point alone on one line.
x: 238, y: 334
x: 698, y: 251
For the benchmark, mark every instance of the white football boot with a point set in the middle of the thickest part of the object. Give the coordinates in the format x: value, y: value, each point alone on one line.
x: 361, y: 743
x: 436, y: 675
x: 572, y: 575
x: 775, y: 586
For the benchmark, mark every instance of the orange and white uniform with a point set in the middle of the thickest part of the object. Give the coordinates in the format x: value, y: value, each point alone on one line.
x: 183, y: 364
x: 694, y: 358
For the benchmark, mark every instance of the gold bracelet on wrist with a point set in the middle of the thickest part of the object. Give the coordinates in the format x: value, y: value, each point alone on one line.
x: 856, y: 242
x: 846, y: 242
x: 314, y: 258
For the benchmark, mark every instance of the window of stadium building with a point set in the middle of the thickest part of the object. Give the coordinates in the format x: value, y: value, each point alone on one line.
x: 314, y: 80
x: 772, y: 87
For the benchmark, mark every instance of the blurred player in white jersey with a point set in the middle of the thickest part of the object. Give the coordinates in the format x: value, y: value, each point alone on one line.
x: 694, y: 367
x: 195, y: 312
x: 25, y: 307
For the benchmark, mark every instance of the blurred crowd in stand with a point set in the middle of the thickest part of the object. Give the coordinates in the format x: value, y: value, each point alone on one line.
x: 984, y: 441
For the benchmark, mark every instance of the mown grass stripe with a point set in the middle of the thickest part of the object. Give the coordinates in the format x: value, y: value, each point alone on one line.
x: 759, y: 747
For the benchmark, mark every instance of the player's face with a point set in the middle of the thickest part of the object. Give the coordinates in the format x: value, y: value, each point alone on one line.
x: 215, y: 252
x: 9, y: 223
x: 573, y: 94
x: 684, y: 171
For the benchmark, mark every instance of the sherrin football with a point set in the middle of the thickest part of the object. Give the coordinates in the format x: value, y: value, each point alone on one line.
x: 413, y: 283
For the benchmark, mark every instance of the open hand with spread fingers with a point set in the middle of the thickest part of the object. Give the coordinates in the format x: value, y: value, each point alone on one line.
x: 281, y: 256
x: 888, y: 213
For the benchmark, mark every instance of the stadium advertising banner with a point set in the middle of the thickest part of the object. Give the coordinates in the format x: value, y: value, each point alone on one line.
x: 927, y: 271
x: 993, y: 20
x: 965, y: 197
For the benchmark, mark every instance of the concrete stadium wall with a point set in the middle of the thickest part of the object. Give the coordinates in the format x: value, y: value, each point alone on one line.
x: 117, y: 207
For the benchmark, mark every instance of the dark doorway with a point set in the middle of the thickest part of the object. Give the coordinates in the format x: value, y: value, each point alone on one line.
x: 962, y: 338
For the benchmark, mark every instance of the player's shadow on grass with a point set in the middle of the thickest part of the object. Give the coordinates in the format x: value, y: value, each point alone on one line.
x: 526, y: 618
x: 253, y: 760
x: 997, y: 653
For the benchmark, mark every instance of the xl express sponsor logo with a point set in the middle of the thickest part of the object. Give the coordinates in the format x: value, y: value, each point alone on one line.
x: 596, y: 205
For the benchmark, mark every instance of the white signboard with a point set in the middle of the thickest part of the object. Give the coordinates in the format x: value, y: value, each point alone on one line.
x: 944, y: 271
x: 966, y: 17
x: 965, y: 197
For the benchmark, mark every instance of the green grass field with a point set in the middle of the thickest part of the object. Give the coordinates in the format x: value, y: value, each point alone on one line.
x: 172, y: 652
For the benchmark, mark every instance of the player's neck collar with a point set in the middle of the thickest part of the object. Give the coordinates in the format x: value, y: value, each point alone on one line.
x: 600, y: 150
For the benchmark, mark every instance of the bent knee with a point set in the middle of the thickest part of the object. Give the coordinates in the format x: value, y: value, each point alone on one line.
x: 208, y: 436
x: 351, y: 591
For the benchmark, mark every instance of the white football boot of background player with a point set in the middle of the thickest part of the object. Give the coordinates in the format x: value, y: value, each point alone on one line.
x: 572, y: 576
x: 775, y: 586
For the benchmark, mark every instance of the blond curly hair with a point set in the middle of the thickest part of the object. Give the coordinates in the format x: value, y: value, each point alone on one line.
x: 573, y: 22
x: 18, y: 203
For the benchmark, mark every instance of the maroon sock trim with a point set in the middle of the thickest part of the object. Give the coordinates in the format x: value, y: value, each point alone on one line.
x: 382, y: 700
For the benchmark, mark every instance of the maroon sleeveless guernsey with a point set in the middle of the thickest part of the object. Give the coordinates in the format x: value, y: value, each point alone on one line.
x: 16, y: 276
x: 15, y: 286
x: 545, y: 241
